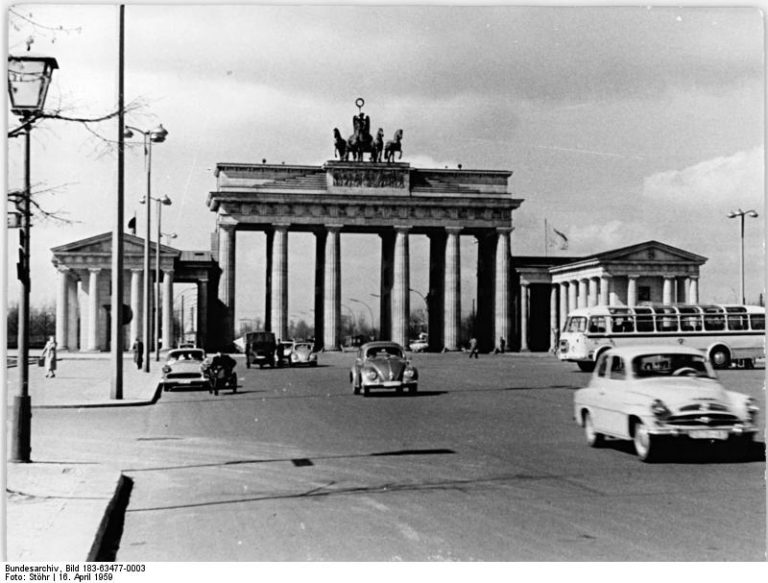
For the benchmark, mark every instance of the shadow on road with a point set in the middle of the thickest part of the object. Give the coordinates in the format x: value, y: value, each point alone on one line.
x: 697, y: 453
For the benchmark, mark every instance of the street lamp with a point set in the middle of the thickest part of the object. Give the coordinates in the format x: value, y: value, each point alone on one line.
x: 168, y: 236
x: 160, y: 202
x: 741, y: 214
x: 28, y: 81
x: 157, y: 136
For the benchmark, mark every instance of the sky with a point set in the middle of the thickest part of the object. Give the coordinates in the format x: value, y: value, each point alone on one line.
x: 620, y: 124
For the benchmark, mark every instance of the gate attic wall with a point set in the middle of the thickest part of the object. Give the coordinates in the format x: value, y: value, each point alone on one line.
x: 391, y: 200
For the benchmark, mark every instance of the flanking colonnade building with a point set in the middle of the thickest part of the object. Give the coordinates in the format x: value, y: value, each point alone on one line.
x: 520, y: 298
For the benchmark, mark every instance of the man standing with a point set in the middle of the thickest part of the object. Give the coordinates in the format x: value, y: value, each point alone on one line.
x: 138, y: 353
x: 473, y: 347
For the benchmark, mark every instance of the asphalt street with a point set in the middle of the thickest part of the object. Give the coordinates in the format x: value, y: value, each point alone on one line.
x: 485, y: 463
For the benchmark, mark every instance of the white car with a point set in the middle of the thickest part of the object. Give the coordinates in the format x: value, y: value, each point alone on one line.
x: 184, y: 368
x: 653, y: 395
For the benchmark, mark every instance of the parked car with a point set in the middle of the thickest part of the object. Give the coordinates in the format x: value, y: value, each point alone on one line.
x: 302, y: 353
x: 260, y: 349
x: 654, y: 395
x: 382, y: 365
x: 419, y: 345
x: 184, y: 368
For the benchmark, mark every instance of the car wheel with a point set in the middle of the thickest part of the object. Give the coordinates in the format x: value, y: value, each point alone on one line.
x: 646, y: 445
x: 586, y: 366
x: 412, y: 389
x: 355, y: 385
x: 594, y: 439
x: 366, y: 391
x: 720, y: 357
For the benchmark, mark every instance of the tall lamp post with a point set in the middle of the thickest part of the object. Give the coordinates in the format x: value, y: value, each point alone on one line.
x: 156, y: 136
x: 160, y: 202
x: 28, y: 80
x: 741, y: 214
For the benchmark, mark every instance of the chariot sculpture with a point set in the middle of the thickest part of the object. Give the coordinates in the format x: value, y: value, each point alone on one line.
x: 361, y: 141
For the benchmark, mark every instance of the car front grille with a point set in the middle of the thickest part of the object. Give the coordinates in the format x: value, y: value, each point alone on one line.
x: 183, y: 375
x: 704, y: 419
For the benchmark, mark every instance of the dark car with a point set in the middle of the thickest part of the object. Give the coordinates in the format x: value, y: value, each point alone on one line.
x: 383, y: 365
x: 260, y: 349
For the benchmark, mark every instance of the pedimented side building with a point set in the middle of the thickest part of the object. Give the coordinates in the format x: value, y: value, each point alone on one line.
x: 522, y: 299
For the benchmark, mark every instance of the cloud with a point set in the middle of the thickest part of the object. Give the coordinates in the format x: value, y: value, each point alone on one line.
x: 738, y: 177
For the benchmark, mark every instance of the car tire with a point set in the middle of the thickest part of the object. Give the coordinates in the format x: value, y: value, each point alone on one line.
x: 355, y: 385
x: 647, y: 446
x: 247, y: 363
x: 594, y: 438
x: 413, y: 389
x: 586, y: 366
x: 366, y: 391
x: 720, y: 357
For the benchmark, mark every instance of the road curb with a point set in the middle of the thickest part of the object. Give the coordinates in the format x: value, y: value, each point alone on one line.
x: 112, y: 403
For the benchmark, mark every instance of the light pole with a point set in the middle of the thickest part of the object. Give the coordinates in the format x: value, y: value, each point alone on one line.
x: 156, y: 135
x: 156, y: 308
x: 168, y: 236
x: 741, y: 214
x: 28, y: 81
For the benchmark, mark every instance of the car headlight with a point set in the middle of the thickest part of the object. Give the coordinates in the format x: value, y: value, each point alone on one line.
x: 294, y: 356
x: 371, y: 375
x: 752, y: 409
x: 660, y: 410
x: 409, y: 373
x: 166, y: 369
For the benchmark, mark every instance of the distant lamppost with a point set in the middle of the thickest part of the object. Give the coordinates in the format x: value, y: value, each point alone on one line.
x: 741, y: 214
x: 160, y: 202
x: 28, y: 80
x: 157, y: 136
x: 168, y: 236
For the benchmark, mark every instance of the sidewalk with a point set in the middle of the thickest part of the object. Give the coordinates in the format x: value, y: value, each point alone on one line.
x: 59, y: 512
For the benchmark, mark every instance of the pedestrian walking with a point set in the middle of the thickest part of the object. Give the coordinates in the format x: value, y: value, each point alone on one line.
x: 473, y: 347
x: 138, y: 353
x: 49, y: 354
x: 502, y: 344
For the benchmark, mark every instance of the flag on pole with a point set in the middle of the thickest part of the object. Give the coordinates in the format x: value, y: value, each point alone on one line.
x: 132, y: 224
x: 557, y: 239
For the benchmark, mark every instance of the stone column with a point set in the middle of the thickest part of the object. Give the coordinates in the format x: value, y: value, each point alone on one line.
x: 631, y: 290
x: 564, y: 290
x: 593, y: 291
x: 452, y: 289
x: 62, y: 308
x: 270, y: 236
x: 583, y: 293
x: 666, y: 294
x: 93, y: 309
x: 693, y: 290
x: 319, y: 305
x: 573, y: 295
x: 280, y: 283
x: 503, y: 320
x: 523, y: 317
x: 332, y: 291
x: 73, y: 313
x: 167, y: 334
x: 136, y: 304
x: 553, y: 320
x: 606, y: 290
x: 401, y: 285
x: 82, y: 308
x: 386, y: 279
x: 227, y: 248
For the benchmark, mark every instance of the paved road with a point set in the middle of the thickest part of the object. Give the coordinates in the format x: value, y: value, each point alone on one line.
x: 485, y: 463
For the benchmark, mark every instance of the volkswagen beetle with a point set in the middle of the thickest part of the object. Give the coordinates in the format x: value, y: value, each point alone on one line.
x: 654, y: 395
x: 382, y: 365
x: 303, y: 353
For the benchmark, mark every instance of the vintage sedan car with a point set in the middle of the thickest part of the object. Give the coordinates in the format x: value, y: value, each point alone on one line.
x: 302, y: 353
x: 184, y: 368
x: 382, y: 365
x: 653, y: 395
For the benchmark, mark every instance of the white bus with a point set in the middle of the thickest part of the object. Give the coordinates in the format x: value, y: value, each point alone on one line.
x: 725, y: 333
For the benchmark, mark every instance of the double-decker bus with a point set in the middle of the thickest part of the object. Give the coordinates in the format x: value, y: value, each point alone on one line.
x: 725, y: 333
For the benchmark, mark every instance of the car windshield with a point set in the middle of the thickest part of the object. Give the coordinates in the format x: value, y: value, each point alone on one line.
x: 186, y: 355
x: 670, y: 364
x: 384, y: 351
x: 304, y: 346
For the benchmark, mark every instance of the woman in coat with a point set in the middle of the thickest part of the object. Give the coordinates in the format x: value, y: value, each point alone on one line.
x: 49, y: 354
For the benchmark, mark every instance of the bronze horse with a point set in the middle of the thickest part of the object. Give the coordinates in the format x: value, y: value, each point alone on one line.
x: 377, y: 146
x: 394, y: 146
x: 339, y: 145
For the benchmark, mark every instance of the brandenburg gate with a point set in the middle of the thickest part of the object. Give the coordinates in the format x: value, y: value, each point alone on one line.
x: 392, y: 200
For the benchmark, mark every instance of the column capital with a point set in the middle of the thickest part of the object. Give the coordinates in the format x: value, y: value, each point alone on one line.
x: 227, y: 226
x: 633, y: 276
x: 692, y: 276
x: 95, y: 269
x: 168, y: 271
x: 606, y: 275
x: 281, y: 226
x: 403, y: 228
x: 504, y: 230
x: 453, y: 230
x: 333, y: 228
x: 524, y: 283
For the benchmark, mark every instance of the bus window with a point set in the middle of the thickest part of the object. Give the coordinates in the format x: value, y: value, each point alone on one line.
x: 666, y: 323
x: 737, y: 322
x: 576, y: 324
x: 714, y: 322
x: 690, y: 323
x: 644, y: 323
x: 757, y: 321
x: 621, y: 324
x: 597, y: 324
